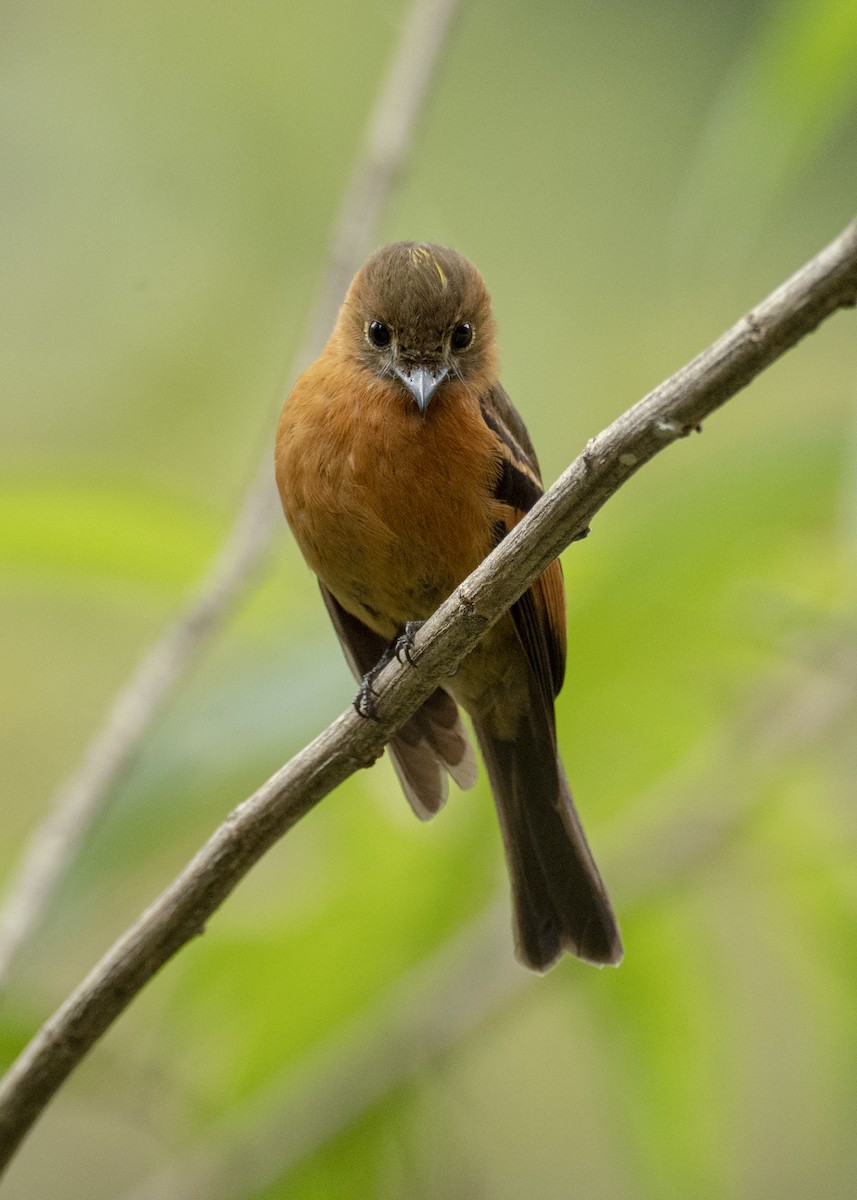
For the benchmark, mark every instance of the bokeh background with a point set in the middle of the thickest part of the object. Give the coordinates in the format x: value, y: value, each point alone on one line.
x: 630, y: 178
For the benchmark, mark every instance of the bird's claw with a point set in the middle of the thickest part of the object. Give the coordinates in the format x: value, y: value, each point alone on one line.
x: 364, y: 701
x: 404, y: 644
x: 401, y: 649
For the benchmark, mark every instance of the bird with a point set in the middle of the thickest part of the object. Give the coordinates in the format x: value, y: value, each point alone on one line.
x: 401, y: 463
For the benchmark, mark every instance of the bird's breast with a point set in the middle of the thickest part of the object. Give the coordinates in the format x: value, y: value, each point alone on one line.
x: 391, y: 508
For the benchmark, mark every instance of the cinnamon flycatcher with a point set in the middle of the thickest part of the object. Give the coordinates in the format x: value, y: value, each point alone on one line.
x: 400, y: 463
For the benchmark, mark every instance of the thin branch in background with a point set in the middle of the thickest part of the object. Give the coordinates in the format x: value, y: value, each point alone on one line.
x: 826, y: 283
x: 473, y: 978
x: 54, y: 844
x: 426, y: 1013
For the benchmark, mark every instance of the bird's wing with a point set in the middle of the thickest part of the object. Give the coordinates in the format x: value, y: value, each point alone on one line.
x: 539, y: 615
x: 560, y: 899
x: 432, y: 743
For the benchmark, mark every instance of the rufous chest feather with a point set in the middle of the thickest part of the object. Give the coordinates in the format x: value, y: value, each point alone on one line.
x: 391, y: 508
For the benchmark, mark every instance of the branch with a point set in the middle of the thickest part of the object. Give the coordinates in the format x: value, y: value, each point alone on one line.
x: 386, y: 145
x: 826, y: 283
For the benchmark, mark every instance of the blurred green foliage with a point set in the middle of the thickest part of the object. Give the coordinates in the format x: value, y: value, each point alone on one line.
x: 630, y: 178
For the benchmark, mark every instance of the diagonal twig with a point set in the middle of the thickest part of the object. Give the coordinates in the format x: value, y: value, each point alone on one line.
x: 386, y: 145
x: 823, y: 285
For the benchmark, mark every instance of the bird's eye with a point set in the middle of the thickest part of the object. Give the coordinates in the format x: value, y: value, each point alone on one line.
x: 378, y: 334
x: 462, y: 336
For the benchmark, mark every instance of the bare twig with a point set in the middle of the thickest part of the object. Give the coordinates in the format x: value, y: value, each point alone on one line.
x: 386, y: 145
x: 826, y: 283
x: 425, y: 1013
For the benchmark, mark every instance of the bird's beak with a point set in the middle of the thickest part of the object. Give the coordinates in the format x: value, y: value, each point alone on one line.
x: 422, y: 383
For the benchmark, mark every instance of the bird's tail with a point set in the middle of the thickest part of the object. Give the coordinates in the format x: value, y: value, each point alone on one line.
x: 560, y: 900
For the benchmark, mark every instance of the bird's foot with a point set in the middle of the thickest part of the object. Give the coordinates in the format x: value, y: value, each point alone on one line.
x: 402, y: 650
x: 364, y: 701
x: 403, y: 647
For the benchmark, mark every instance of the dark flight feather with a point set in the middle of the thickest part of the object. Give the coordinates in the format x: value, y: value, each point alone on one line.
x: 539, y: 614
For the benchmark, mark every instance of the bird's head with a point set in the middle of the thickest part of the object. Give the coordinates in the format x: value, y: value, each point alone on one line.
x: 420, y: 314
